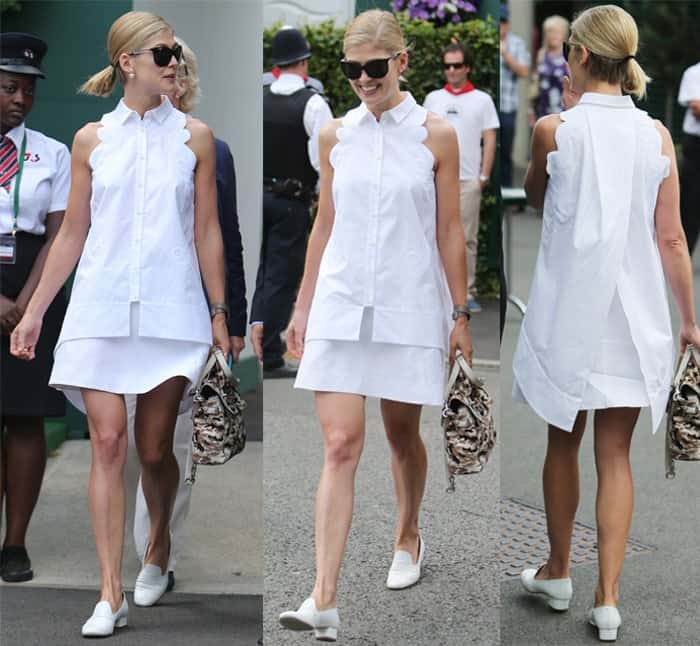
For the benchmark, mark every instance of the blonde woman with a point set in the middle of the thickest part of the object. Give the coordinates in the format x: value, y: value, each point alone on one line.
x: 142, y: 218
x: 384, y: 268
x: 597, y: 333
x: 550, y: 69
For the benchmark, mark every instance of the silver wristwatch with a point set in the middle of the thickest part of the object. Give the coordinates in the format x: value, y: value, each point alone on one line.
x: 218, y: 308
x: 461, y: 310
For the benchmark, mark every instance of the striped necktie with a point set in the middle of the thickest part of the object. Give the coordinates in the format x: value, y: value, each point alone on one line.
x: 8, y: 162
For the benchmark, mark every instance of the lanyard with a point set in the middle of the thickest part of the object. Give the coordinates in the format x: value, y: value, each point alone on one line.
x: 18, y: 179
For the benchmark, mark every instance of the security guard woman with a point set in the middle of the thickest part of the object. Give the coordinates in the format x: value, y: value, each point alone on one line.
x: 34, y: 183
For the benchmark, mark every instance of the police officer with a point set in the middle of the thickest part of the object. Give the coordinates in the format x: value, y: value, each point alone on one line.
x: 293, y: 115
x: 270, y: 77
x: 34, y: 185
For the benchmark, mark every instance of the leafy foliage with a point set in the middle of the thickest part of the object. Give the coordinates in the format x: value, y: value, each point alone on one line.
x: 9, y: 5
x: 426, y: 42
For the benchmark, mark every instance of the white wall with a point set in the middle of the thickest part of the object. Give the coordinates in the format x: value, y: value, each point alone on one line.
x: 522, y: 14
x: 226, y: 36
x: 301, y: 12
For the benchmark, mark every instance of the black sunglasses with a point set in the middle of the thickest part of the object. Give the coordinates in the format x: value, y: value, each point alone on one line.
x: 376, y: 68
x: 162, y: 55
x: 456, y: 66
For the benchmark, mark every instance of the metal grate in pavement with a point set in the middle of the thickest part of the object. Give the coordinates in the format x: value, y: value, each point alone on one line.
x: 524, y: 543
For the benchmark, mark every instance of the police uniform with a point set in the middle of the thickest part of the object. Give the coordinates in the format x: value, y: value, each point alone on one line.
x: 294, y: 114
x: 40, y: 187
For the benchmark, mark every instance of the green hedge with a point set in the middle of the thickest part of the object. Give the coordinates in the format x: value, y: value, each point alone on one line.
x: 424, y: 74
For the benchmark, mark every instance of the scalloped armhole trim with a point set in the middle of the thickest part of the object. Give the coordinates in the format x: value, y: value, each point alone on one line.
x: 185, y: 135
x: 553, y: 154
x: 424, y: 129
x: 100, y: 143
x: 340, y: 134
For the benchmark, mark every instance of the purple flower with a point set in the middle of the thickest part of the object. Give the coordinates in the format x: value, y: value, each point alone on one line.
x: 456, y: 18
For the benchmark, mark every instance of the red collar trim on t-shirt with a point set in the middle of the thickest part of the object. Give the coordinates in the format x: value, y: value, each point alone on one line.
x: 467, y: 88
x: 276, y: 73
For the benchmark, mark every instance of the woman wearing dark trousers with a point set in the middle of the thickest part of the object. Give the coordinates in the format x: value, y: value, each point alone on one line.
x: 39, y: 189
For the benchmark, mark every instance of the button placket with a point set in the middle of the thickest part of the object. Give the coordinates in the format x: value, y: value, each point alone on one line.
x: 373, y: 224
x: 140, y: 202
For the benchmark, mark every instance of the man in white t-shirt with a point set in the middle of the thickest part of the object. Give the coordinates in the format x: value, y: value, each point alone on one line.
x: 689, y: 97
x: 474, y: 117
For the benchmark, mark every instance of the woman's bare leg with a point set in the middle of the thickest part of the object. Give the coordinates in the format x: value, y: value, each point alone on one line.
x: 560, y: 483
x: 409, y: 465
x: 154, y: 426
x: 106, y: 415
x: 615, y: 499
x: 342, y: 418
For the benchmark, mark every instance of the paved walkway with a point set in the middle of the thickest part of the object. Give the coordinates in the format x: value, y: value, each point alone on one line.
x: 219, y: 575
x: 456, y: 601
x: 659, y: 590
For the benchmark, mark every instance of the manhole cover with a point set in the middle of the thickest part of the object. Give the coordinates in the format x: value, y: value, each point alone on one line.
x: 524, y: 543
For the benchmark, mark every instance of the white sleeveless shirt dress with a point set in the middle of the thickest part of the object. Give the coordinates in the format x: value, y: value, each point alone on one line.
x: 137, y: 314
x: 597, y: 332
x: 379, y: 319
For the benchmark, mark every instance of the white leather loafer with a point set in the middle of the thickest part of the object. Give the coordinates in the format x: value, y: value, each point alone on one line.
x: 324, y: 623
x: 557, y: 591
x: 403, y: 572
x: 607, y: 620
x: 103, y: 621
x: 150, y: 585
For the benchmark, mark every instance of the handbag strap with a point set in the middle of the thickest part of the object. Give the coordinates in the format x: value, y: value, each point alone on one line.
x: 215, y: 356
x: 690, y: 350
x: 460, y: 364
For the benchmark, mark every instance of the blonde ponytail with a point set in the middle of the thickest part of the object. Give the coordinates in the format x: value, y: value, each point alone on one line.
x: 634, y: 79
x: 611, y: 37
x: 127, y: 33
x: 100, y: 84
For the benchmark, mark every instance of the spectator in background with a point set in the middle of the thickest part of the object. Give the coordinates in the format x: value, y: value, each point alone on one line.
x: 41, y: 188
x: 689, y: 97
x: 184, y: 96
x: 270, y: 77
x: 474, y: 117
x: 550, y: 69
x: 515, y: 64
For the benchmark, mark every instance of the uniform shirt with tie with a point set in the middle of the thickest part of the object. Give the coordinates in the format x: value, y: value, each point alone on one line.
x: 45, y: 180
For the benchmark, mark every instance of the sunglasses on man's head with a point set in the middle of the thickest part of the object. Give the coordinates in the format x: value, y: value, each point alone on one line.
x: 376, y: 68
x: 162, y: 55
x: 455, y: 66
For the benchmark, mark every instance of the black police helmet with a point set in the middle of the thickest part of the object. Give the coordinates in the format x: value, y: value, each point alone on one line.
x: 21, y: 53
x: 289, y: 46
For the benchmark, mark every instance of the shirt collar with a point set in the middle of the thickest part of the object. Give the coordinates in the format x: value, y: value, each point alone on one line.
x: 398, y: 113
x: 16, y: 135
x: 159, y: 114
x: 289, y: 79
x: 610, y: 100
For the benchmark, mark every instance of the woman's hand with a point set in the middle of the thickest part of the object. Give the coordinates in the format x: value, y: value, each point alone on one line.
x: 296, y: 333
x: 690, y: 334
x: 256, y: 338
x: 461, y: 338
x: 569, y: 96
x: 24, y: 338
x: 219, y: 331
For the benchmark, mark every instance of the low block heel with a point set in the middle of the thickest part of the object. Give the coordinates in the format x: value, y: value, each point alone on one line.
x: 326, y: 634
x: 607, y: 634
x: 560, y: 605
x: 120, y: 623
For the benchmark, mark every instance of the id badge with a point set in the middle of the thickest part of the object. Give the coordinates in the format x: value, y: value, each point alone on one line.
x: 8, y: 250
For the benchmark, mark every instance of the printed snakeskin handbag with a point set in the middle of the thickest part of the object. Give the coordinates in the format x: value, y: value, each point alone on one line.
x: 219, y: 429
x: 467, y: 422
x: 683, y: 412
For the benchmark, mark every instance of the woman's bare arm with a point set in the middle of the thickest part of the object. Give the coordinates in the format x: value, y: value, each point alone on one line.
x: 69, y: 241
x: 543, y: 142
